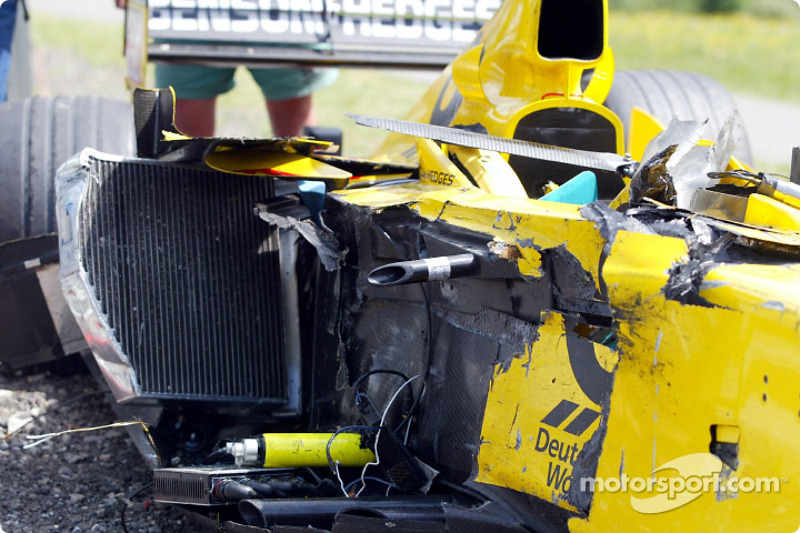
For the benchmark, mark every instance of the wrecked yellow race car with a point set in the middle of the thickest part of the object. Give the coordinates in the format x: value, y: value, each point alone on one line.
x: 500, y: 322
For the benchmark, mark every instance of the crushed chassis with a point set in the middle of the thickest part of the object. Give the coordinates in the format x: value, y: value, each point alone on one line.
x: 428, y: 314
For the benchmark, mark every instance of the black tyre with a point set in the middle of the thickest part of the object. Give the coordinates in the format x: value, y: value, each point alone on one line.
x: 37, y: 135
x: 667, y: 94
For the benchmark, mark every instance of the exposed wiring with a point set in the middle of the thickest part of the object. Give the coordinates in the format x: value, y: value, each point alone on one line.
x: 407, y: 419
x: 54, y: 409
x: 128, y: 501
x: 217, y: 455
x: 334, y: 465
x: 422, y: 253
x: 372, y: 373
x: 39, y: 439
x: 381, y: 426
x: 388, y: 484
x: 408, y: 432
x: 363, y: 397
x: 314, y: 475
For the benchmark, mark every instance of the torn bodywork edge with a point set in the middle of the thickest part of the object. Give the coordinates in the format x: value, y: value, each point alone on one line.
x: 71, y: 184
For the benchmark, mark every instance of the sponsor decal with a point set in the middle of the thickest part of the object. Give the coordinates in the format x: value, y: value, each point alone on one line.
x: 444, y: 21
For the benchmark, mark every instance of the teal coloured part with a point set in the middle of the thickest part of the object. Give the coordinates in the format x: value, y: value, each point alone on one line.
x: 580, y: 190
x: 312, y: 193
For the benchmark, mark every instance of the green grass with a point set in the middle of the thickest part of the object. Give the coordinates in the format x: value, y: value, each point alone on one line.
x: 760, y: 8
x: 99, y: 44
x: 747, y: 54
x: 367, y: 92
x: 97, y: 51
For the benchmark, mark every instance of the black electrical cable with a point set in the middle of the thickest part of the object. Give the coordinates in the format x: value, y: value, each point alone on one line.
x: 217, y: 454
x: 266, y: 489
x: 422, y: 253
x: 314, y: 475
x: 128, y: 501
x: 367, y: 408
x: 411, y: 410
x: 372, y: 373
x: 415, y: 399
x: 229, y: 490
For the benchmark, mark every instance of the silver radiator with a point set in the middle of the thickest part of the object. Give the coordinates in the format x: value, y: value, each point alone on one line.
x: 174, y: 281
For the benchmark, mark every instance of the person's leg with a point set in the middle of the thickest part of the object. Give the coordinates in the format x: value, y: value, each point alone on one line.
x: 196, y: 89
x: 195, y: 117
x: 288, y: 94
x: 287, y: 117
x: 8, y: 15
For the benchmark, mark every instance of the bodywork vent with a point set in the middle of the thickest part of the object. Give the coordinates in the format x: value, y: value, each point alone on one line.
x: 569, y: 127
x: 174, y: 280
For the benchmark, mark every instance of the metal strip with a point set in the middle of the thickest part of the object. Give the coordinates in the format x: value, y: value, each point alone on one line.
x: 581, y: 158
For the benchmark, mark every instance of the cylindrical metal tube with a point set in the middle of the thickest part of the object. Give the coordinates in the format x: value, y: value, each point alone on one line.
x: 293, y: 450
x: 432, y: 269
x: 783, y: 191
x: 310, y: 449
x: 319, y: 512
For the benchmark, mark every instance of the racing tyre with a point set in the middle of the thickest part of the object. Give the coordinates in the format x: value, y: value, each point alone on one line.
x: 667, y: 94
x: 37, y: 135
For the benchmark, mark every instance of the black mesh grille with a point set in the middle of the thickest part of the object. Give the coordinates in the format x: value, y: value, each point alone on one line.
x: 188, y: 279
x: 180, y: 487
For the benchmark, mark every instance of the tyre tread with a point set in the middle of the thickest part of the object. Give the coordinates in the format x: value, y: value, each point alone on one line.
x: 668, y: 94
x: 38, y: 135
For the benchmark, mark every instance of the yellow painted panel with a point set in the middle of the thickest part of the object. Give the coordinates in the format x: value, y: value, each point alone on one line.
x: 436, y: 168
x: 267, y: 162
x: 684, y: 368
x: 490, y: 171
x: 539, y: 422
x: 643, y: 127
x: 765, y: 211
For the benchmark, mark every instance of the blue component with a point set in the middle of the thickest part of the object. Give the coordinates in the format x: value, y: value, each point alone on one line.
x: 8, y: 15
x: 580, y: 190
x: 313, y: 195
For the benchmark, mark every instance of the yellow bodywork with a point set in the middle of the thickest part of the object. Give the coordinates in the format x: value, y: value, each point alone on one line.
x: 702, y: 390
x: 678, y: 369
x: 683, y: 381
x: 477, y: 87
x: 535, y: 450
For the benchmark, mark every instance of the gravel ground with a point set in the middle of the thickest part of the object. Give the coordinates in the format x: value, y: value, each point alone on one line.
x: 76, y: 482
